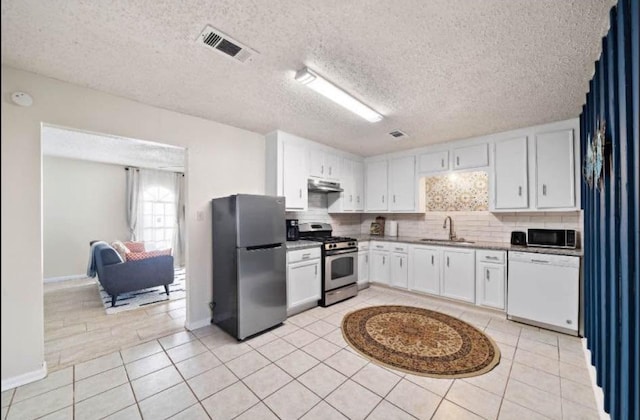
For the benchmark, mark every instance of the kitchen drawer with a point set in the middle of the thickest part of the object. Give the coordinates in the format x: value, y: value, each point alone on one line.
x: 303, y: 255
x: 399, y: 247
x: 380, y: 246
x: 363, y: 246
x: 498, y: 257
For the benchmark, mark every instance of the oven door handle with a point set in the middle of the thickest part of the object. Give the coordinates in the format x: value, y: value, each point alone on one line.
x: 346, y: 251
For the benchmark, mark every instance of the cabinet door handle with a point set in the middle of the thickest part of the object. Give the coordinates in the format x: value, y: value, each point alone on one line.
x: 322, y: 169
x: 316, y: 270
x: 400, y: 262
x: 306, y: 256
x: 394, y: 198
x: 458, y: 160
x: 447, y: 261
x: 383, y: 198
x: 330, y: 170
x: 520, y: 191
x: 544, y: 189
x: 488, y: 275
x: 366, y: 259
x: 432, y: 260
x: 350, y: 198
x: 384, y: 260
x: 442, y: 163
x: 358, y: 199
x: 491, y: 258
x: 300, y: 193
x: 540, y: 261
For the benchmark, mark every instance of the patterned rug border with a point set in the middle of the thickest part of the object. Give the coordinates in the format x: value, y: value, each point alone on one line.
x: 494, y: 362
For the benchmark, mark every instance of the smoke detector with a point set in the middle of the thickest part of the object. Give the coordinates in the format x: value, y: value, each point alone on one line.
x: 397, y: 134
x: 222, y: 43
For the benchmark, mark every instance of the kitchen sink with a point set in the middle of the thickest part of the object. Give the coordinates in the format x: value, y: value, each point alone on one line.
x: 448, y: 241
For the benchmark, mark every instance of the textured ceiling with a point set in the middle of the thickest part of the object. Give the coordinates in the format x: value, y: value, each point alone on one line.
x: 438, y: 70
x: 81, y: 145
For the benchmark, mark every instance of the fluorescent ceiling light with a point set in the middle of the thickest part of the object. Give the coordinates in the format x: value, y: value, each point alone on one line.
x: 311, y: 79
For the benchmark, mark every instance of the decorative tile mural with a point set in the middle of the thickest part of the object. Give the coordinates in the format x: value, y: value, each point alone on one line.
x: 467, y: 191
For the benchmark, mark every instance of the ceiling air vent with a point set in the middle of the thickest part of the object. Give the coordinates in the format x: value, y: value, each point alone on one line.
x: 397, y: 134
x: 224, y: 44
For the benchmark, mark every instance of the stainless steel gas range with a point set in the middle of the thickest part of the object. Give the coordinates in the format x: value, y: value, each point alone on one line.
x: 339, y: 262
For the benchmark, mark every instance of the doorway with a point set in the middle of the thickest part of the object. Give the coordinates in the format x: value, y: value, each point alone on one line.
x: 128, y: 195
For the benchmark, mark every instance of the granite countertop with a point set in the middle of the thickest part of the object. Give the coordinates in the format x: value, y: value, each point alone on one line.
x: 291, y: 245
x: 499, y: 246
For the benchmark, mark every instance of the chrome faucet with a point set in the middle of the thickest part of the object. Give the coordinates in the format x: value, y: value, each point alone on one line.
x: 452, y: 235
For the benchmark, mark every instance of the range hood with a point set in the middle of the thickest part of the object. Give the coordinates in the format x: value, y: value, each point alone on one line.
x: 319, y: 185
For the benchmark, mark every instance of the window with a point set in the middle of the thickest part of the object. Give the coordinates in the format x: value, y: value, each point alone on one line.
x: 159, y: 217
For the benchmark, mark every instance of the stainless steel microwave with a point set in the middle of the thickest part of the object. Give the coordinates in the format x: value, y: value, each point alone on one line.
x: 552, y: 238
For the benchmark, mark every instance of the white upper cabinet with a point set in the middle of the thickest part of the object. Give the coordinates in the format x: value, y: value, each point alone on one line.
x: 323, y: 164
x: 352, y: 182
x: 402, y: 179
x: 295, y: 177
x: 475, y: 156
x: 357, y: 172
x: 376, y: 186
x: 555, y: 170
x: 287, y: 169
x: 511, y: 183
x: 433, y: 162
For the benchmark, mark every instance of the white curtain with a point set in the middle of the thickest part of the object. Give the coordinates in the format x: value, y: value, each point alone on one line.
x: 157, y: 224
x: 179, y: 237
x: 133, y: 194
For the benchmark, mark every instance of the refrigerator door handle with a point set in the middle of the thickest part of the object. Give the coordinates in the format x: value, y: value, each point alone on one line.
x: 259, y: 247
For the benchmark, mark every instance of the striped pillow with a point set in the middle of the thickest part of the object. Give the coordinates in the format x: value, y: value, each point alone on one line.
x: 137, y: 256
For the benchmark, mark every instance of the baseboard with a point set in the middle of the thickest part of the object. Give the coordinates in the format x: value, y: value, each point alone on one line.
x: 64, y: 278
x: 25, y: 378
x: 597, y: 391
x: 198, y: 324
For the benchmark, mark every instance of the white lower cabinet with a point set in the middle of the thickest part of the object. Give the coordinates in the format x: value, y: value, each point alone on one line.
x: 363, y: 264
x: 458, y: 274
x: 491, y: 278
x: 303, y: 283
x: 399, y: 270
x: 379, y: 268
x: 424, y: 269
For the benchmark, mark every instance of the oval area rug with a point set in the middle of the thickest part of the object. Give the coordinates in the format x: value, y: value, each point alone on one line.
x: 420, y: 341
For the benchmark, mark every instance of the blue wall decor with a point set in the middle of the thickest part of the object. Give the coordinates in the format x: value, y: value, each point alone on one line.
x: 611, y: 216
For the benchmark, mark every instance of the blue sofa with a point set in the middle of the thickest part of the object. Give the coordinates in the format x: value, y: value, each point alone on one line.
x: 117, y: 276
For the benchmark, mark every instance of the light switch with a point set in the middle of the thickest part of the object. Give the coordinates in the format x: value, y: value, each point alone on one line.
x: 200, y: 216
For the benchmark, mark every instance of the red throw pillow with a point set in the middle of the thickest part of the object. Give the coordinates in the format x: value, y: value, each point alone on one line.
x: 135, y: 246
x: 137, y: 256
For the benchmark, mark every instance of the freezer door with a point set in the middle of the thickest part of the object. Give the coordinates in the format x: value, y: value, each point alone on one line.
x: 262, y: 289
x: 260, y: 220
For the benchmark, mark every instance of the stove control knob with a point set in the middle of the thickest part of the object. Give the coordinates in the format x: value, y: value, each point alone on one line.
x: 352, y: 244
x: 333, y: 245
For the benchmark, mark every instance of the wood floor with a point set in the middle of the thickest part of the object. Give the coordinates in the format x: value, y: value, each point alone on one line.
x: 77, y: 328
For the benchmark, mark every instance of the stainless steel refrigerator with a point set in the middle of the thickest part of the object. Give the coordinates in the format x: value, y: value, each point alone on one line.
x: 249, y: 264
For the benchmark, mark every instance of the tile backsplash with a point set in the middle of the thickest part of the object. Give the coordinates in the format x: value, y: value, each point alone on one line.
x: 471, y: 225
x: 476, y: 225
x: 466, y: 191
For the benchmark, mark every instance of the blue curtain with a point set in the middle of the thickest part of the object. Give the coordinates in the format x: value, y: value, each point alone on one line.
x: 611, y: 221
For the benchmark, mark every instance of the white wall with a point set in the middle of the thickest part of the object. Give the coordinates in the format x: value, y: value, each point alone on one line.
x: 82, y: 201
x: 221, y: 160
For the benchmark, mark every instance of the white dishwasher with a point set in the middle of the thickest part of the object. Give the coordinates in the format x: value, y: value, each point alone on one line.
x: 544, y: 290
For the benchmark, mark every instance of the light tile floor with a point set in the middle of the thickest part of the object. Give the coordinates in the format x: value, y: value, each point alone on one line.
x: 77, y: 328
x: 304, y: 369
